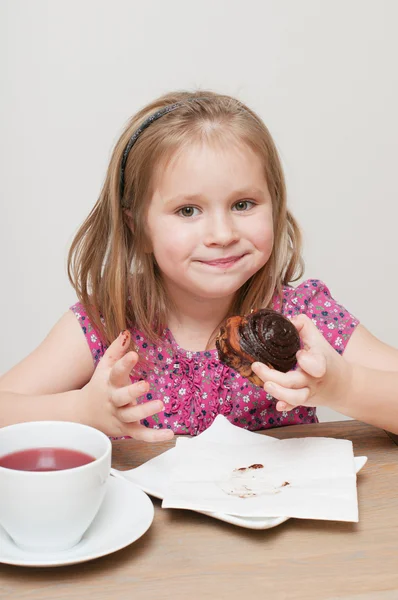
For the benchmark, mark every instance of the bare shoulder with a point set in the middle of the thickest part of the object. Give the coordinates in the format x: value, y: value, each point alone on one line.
x: 367, y: 350
x: 62, y: 362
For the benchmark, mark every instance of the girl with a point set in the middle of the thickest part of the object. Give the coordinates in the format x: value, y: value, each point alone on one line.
x: 191, y: 226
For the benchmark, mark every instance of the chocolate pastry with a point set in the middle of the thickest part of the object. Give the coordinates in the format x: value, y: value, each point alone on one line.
x: 265, y: 336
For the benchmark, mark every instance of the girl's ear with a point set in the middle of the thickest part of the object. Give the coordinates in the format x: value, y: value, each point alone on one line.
x: 130, y: 221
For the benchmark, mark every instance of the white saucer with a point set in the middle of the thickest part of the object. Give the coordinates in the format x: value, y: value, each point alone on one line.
x: 153, y: 478
x: 124, y: 516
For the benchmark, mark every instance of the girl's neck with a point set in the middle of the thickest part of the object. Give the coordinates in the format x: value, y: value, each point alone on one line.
x: 193, y: 321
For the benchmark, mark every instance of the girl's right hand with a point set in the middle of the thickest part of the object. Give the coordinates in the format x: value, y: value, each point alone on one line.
x: 111, y: 399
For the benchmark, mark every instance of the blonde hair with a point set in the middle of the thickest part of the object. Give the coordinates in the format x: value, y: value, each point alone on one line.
x: 115, y: 276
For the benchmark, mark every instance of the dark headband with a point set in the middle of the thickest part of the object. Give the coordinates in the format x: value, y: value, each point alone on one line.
x: 135, y: 136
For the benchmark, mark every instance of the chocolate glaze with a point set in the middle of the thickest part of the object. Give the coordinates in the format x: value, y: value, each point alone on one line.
x: 265, y: 336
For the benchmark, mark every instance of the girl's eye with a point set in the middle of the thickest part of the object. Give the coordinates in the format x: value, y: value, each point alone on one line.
x: 243, y: 205
x: 188, y: 211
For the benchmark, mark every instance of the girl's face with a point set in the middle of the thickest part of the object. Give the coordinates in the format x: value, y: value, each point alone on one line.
x: 210, y: 221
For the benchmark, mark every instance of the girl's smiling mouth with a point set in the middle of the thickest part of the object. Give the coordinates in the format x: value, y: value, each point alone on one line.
x: 223, y: 263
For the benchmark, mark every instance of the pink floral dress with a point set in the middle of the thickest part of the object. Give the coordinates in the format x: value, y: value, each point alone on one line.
x: 195, y: 386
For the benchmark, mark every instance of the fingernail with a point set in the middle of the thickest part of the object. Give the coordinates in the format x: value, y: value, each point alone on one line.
x: 269, y: 386
x: 255, y: 366
x: 282, y: 405
x: 142, y: 386
x: 124, y: 335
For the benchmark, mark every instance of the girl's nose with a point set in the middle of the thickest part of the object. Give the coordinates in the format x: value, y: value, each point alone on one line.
x: 220, y: 231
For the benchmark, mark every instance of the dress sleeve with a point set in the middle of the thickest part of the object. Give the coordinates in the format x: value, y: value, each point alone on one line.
x: 313, y: 298
x: 92, y: 337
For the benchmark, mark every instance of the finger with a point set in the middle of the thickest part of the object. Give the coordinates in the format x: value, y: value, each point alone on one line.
x: 312, y: 362
x: 116, y: 350
x: 128, y: 394
x: 309, y: 333
x: 293, y: 397
x: 147, y: 434
x: 291, y: 379
x: 136, y: 412
x: 120, y: 372
x: 283, y: 407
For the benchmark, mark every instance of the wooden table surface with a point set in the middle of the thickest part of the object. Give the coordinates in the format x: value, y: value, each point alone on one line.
x: 188, y: 555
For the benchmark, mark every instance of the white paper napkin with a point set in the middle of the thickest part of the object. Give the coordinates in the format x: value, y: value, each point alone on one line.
x: 231, y: 470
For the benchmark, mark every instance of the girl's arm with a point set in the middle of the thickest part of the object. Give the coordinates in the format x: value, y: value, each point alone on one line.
x: 365, y: 349
x: 61, y: 363
x: 371, y: 396
x: 57, y: 381
x: 18, y: 408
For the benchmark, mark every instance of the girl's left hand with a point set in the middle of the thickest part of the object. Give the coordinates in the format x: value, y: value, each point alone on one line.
x: 320, y: 378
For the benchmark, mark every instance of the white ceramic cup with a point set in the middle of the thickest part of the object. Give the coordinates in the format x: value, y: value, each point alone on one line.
x: 50, y: 511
